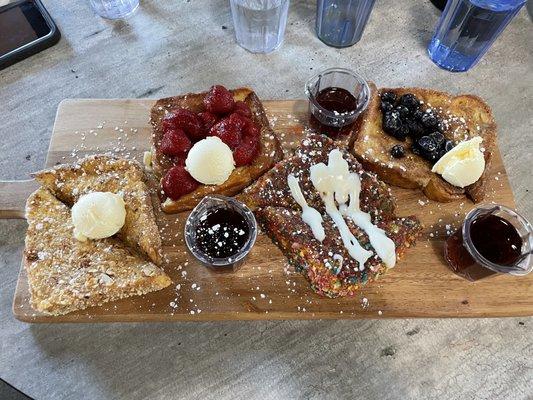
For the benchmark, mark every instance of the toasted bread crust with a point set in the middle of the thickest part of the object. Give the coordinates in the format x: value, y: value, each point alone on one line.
x: 468, y: 116
x: 106, y: 173
x: 241, y: 177
x: 66, y: 275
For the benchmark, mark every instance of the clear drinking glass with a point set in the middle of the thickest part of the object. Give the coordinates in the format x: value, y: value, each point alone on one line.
x: 467, y: 29
x: 340, y: 23
x: 259, y: 24
x: 114, y: 9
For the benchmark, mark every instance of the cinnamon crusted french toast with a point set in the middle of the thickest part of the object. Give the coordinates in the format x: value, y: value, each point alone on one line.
x: 236, y: 116
x: 103, y: 173
x: 328, y: 262
x: 392, y: 127
x: 65, y: 274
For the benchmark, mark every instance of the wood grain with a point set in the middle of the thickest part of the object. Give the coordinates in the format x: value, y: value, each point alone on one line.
x: 266, y: 287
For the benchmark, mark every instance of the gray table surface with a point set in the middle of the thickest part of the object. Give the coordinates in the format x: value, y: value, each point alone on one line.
x: 173, y: 47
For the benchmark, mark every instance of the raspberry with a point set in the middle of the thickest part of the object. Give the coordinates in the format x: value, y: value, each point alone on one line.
x: 184, y: 119
x: 239, y: 120
x: 246, y: 152
x: 175, y: 143
x: 178, y: 182
x: 242, y: 108
x: 208, y: 120
x: 219, y: 100
x: 251, y: 130
x: 228, y: 131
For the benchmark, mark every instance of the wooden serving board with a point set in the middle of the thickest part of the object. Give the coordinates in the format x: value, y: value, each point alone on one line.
x: 266, y: 287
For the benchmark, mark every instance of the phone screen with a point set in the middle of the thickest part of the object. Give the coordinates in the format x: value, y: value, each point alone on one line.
x: 20, y: 23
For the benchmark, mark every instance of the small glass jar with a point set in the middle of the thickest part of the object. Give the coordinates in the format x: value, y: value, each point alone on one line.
x: 332, y: 123
x: 200, y: 212
x: 464, y: 258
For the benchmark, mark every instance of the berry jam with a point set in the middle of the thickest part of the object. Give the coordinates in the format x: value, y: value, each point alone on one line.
x: 493, y: 237
x: 221, y: 233
x: 336, y: 100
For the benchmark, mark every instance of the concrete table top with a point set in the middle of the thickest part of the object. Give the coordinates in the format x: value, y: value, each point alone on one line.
x: 172, y: 47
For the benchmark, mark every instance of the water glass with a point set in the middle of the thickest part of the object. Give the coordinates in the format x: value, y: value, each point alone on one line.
x: 467, y: 29
x: 114, y: 9
x: 259, y: 24
x: 340, y: 23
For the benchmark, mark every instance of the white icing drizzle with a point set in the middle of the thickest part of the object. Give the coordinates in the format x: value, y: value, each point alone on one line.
x: 335, y: 182
x: 310, y: 215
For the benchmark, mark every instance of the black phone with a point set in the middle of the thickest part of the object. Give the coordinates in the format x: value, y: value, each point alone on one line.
x: 26, y: 28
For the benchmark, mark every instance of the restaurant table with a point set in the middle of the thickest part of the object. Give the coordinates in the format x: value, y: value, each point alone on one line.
x: 171, y: 47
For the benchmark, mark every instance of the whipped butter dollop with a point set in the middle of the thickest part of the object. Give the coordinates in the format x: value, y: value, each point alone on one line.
x: 98, y: 215
x: 210, y: 161
x: 463, y: 165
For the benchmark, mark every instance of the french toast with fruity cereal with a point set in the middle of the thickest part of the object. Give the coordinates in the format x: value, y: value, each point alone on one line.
x: 236, y: 117
x: 338, y: 245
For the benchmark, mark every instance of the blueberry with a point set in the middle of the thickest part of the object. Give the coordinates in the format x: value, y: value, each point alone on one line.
x: 402, y: 132
x: 397, y: 151
x: 386, y: 106
x: 391, y: 122
x: 427, y: 144
x: 438, y: 138
x: 417, y: 115
x: 404, y: 111
x: 415, y: 149
x: 389, y: 97
x: 429, y: 120
x: 410, y: 101
x: 448, y: 145
x: 416, y: 129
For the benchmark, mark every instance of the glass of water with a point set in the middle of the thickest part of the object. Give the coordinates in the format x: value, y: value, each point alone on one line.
x: 467, y: 29
x: 259, y: 24
x: 340, y: 23
x: 114, y: 9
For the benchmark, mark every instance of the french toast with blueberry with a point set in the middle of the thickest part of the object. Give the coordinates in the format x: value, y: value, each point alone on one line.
x: 405, y: 131
x: 236, y: 116
x: 326, y: 264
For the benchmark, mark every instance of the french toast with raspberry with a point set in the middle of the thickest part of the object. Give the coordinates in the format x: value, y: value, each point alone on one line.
x: 405, y: 131
x: 65, y: 274
x: 327, y: 264
x: 235, y: 116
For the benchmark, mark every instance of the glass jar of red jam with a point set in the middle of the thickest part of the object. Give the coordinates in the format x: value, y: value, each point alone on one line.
x: 220, y: 232
x: 337, y: 96
x: 493, y: 240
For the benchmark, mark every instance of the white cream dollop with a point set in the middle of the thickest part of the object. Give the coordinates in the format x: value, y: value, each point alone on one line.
x: 462, y: 165
x: 210, y: 161
x: 98, y: 215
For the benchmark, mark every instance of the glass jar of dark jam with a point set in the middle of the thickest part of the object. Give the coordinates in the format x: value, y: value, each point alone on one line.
x: 220, y: 232
x: 493, y: 240
x: 337, y: 96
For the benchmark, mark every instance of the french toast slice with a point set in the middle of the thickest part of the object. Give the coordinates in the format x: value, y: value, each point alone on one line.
x: 327, y: 265
x: 269, y: 154
x: 66, y: 275
x: 104, y: 173
x: 465, y: 116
